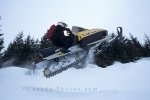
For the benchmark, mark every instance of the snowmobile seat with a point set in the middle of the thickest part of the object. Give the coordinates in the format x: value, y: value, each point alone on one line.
x: 64, y: 50
x: 48, y: 51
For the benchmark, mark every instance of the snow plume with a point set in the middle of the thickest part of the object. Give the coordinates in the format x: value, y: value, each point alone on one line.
x: 90, y: 56
x: 8, y: 63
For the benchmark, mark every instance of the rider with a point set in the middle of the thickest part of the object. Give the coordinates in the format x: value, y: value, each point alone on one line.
x: 62, y: 36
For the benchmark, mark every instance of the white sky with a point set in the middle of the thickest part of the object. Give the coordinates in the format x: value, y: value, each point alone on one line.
x: 34, y: 17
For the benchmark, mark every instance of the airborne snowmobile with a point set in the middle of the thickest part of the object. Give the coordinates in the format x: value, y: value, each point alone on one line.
x: 55, y: 60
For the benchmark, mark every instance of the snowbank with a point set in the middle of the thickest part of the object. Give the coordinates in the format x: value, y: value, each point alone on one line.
x: 119, y: 81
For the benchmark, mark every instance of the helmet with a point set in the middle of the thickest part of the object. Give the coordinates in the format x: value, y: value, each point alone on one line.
x: 62, y: 24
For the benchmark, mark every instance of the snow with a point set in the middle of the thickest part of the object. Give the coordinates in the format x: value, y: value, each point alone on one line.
x: 117, y: 82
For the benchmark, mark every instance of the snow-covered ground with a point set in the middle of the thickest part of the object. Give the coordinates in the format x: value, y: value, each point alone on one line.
x: 117, y: 82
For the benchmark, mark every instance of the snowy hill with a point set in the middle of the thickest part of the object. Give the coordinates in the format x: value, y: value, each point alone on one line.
x: 117, y: 82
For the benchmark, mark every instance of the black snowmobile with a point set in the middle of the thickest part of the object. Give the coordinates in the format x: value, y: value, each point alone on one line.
x: 55, y: 60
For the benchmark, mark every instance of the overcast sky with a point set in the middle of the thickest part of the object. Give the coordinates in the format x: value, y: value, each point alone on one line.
x: 34, y: 17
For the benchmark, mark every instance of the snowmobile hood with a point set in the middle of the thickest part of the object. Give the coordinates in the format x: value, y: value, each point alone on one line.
x: 86, y: 33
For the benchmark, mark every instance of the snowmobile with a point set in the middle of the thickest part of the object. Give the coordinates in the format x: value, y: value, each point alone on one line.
x: 55, y: 60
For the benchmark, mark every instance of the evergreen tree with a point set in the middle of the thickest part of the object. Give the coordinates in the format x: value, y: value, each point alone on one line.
x: 147, y: 46
x: 14, y: 49
x: 1, y: 44
x: 29, y: 49
x: 137, y: 47
x: 18, y: 47
x: 1, y: 40
x: 8, y: 53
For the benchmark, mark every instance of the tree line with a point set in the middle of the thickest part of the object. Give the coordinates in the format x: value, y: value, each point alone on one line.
x: 23, y: 50
x: 123, y: 50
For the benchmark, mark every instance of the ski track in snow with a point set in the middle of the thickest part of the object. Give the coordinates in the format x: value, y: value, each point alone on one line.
x: 116, y: 82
